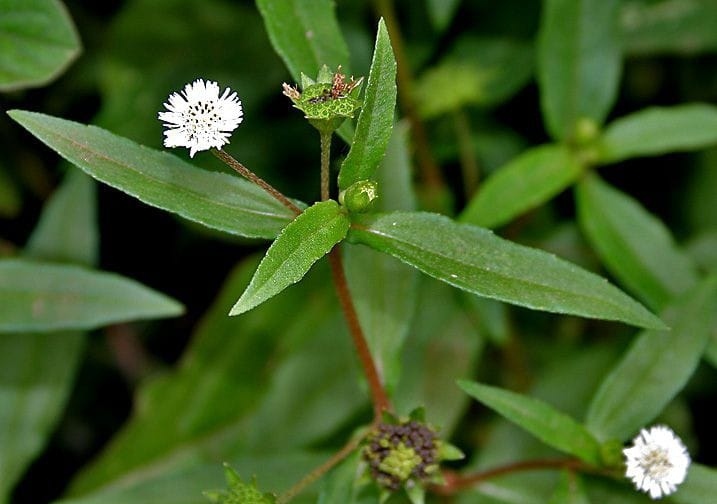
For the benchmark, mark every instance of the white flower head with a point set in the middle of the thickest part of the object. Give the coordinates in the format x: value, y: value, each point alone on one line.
x: 657, y: 461
x: 199, y: 118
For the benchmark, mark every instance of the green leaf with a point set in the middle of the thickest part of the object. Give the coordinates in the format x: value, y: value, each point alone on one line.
x: 304, y: 241
x: 38, y: 296
x: 569, y: 490
x: 524, y: 183
x: 441, y: 12
x: 579, y: 62
x: 699, y: 487
x: 375, y: 121
x: 657, y: 130
x: 67, y: 230
x: 232, y: 393
x: 36, y: 375
x: 37, y: 42
x: 37, y: 370
x: 441, y: 347
x: 656, y: 366
x: 306, y: 34
x: 217, y: 200
x: 384, y: 292
x: 635, y: 246
x: 539, y: 418
x: 478, y: 71
x: 340, y: 485
x: 184, y: 484
x: 668, y: 26
x: 384, y: 289
x: 476, y: 260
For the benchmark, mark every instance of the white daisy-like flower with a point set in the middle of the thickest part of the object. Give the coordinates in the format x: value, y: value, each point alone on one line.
x: 199, y: 118
x: 657, y: 461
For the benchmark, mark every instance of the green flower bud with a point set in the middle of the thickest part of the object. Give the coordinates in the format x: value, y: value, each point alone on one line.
x: 586, y: 131
x: 359, y: 196
x: 239, y: 492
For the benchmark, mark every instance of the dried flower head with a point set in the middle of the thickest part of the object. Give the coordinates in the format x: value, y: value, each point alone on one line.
x: 657, y: 461
x: 328, y: 101
x: 199, y: 118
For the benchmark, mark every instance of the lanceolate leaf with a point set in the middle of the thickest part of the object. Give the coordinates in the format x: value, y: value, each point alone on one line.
x: 668, y: 26
x: 474, y: 259
x: 657, y: 130
x: 441, y: 12
x: 539, y: 418
x: 699, y: 487
x: 383, y: 288
x: 217, y: 200
x: 38, y: 296
x: 375, y: 121
x: 67, y: 230
x: 569, y: 490
x: 306, y: 34
x: 185, y: 482
x: 578, y: 62
x: 656, y: 367
x: 37, y: 369
x: 633, y: 244
x: 303, y: 242
x: 526, y: 182
x: 37, y: 40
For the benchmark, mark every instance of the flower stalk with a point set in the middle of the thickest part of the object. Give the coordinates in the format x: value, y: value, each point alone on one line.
x: 253, y: 177
x: 325, y: 163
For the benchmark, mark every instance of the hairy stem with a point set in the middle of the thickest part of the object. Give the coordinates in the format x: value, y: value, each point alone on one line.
x: 319, y: 471
x: 430, y: 172
x: 325, y: 159
x: 378, y: 393
x: 251, y: 176
x: 455, y: 482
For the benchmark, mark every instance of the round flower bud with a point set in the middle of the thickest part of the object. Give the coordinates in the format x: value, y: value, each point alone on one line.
x: 359, y: 196
x: 401, y: 454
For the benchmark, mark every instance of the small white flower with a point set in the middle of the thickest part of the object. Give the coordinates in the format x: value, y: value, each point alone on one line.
x: 199, y: 118
x: 657, y: 461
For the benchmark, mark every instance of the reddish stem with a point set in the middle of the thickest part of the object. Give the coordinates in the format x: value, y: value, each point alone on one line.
x: 320, y: 471
x: 456, y: 482
x: 380, y: 400
x: 251, y: 176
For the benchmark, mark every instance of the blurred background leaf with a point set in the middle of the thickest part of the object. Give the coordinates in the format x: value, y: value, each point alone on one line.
x: 37, y: 370
x: 38, y: 41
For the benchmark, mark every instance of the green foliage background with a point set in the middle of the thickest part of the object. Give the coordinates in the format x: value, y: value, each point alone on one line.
x: 582, y: 128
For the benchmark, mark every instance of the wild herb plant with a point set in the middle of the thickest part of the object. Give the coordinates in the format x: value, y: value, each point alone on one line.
x: 354, y: 385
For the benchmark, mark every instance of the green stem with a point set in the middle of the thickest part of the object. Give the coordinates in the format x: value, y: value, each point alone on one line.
x: 251, y: 176
x: 325, y: 160
x: 469, y: 163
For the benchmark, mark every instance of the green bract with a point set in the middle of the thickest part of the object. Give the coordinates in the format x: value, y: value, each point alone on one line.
x: 239, y: 492
x: 327, y: 102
